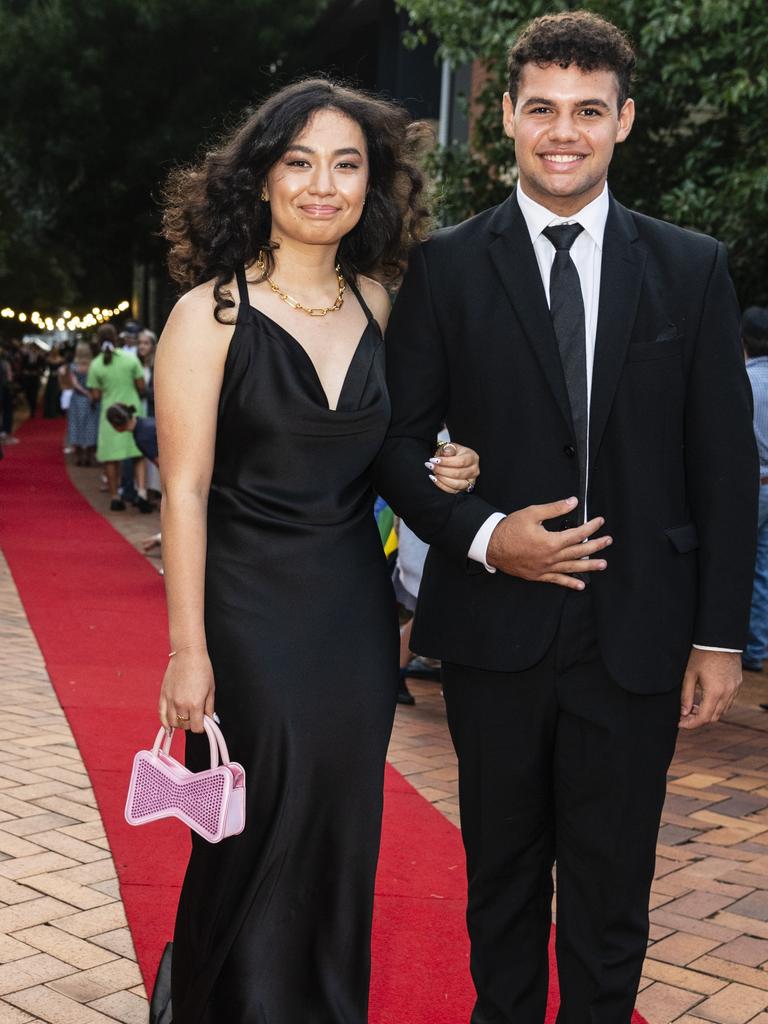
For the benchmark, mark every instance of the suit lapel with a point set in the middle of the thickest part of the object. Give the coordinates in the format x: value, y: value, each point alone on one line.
x: 621, y: 279
x: 513, y: 257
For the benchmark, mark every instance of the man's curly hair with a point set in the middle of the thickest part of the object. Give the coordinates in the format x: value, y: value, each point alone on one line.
x: 214, y: 217
x: 573, y: 37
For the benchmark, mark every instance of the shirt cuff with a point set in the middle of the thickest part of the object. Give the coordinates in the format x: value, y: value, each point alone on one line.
x: 725, y: 650
x: 478, y: 550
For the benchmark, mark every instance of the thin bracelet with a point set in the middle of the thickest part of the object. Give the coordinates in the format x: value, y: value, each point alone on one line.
x: 184, y: 648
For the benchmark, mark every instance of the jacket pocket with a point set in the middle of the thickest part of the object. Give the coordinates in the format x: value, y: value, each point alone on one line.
x: 663, y: 349
x: 684, y: 538
x: 669, y: 333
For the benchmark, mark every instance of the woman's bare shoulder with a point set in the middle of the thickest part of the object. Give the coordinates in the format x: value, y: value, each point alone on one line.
x: 377, y: 299
x: 200, y: 301
x: 192, y: 322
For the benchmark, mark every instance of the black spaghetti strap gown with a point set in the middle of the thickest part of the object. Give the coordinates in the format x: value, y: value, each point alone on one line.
x: 274, y: 925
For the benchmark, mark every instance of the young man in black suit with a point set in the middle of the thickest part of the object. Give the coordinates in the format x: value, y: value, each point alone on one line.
x: 585, y: 350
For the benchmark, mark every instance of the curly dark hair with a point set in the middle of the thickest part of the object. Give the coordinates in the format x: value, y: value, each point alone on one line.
x: 573, y: 37
x: 215, y: 219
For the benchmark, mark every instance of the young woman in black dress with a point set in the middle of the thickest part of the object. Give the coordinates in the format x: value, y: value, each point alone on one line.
x: 271, y: 406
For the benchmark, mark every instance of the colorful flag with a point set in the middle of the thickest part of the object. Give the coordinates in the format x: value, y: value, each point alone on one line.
x: 385, y: 519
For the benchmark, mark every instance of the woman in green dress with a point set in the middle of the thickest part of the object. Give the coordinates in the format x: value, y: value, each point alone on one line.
x: 116, y: 376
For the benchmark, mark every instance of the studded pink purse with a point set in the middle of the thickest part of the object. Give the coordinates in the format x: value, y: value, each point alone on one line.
x: 211, y: 802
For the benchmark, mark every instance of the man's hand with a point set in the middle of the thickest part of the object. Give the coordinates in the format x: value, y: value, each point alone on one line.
x: 521, y: 546
x: 712, y: 680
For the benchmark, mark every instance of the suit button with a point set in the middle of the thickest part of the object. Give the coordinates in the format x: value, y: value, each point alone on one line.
x: 570, y: 450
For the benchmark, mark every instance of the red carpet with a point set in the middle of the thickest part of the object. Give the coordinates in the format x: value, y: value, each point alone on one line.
x: 97, y: 611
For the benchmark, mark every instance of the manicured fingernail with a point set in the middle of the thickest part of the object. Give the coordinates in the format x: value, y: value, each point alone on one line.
x: 433, y: 478
x: 572, y: 501
x: 603, y: 565
x: 429, y: 465
x: 435, y: 462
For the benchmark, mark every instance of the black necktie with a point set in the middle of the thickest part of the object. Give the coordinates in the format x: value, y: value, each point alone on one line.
x: 567, y: 308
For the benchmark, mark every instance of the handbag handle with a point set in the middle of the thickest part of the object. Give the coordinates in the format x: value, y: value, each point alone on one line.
x: 216, y: 741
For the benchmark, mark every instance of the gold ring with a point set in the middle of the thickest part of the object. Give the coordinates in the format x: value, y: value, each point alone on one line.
x: 180, y: 718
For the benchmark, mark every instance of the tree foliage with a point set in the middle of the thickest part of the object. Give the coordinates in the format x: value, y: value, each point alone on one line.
x: 698, y: 154
x: 99, y: 98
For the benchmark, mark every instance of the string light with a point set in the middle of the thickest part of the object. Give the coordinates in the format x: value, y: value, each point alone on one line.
x: 66, y: 320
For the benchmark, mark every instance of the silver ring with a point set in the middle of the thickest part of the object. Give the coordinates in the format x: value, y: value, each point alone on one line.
x: 470, y: 486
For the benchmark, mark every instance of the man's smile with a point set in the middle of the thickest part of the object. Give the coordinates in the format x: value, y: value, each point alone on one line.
x: 563, y: 158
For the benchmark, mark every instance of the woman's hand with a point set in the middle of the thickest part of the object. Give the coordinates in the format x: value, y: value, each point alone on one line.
x: 187, y: 691
x: 454, y: 468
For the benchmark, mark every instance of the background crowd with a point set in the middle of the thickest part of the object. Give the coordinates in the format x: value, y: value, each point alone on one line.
x: 80, y: 380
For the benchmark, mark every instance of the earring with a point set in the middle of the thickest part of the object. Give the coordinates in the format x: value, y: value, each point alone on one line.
x: 264, y: 197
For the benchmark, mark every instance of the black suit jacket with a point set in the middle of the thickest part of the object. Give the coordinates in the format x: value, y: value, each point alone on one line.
x: 673, y: 463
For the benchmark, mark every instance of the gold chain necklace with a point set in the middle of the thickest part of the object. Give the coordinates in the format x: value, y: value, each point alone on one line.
x: 294, y: 303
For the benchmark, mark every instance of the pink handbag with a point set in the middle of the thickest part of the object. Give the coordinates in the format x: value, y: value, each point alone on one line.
x: 211, y: 802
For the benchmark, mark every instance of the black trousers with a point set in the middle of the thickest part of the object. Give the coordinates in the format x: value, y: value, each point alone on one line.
x: 6, y: 409
x: 559, y: 764
x: 31, y: 388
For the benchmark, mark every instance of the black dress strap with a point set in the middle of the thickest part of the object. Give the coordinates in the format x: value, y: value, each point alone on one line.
x: 361, y: 300
x: 242, y: 288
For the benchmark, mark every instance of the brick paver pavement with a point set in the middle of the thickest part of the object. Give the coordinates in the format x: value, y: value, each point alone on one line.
x: 66, y: 959
x: 708, y: 955
x: 66, y: 955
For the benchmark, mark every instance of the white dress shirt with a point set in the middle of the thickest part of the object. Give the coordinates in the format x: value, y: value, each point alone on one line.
x: 587, y: 255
